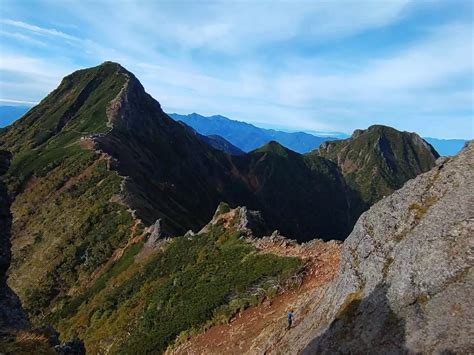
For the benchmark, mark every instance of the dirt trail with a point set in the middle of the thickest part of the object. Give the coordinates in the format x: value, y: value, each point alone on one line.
x: 260, y: 329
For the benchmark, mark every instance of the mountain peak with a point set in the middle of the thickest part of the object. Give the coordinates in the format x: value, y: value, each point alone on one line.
x: 373, y: 129
x: 273, y: 147
x: 103, y: 70
x: 396, y: 156
x: 78, y: 107
x: 111, y: 63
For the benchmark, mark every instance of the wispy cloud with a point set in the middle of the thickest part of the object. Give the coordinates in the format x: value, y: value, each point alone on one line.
x: 39, y: 30
x: 18, y: 102
x: 25, y: 78
x: 22, y: 37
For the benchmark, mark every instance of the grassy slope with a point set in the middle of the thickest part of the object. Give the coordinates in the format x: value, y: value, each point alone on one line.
x: 64, y: 223
x: 140, y: 305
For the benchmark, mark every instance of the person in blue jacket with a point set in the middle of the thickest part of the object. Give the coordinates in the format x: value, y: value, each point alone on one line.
x: 290, y: 318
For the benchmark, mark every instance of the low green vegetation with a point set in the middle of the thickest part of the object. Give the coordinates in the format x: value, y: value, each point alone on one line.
x: 49, y: 133
x: 77, y: 233
x: 66, y: 225
x: 141, y: 306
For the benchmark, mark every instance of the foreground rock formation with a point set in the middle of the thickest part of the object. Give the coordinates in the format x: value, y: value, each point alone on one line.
x: 406, y: 279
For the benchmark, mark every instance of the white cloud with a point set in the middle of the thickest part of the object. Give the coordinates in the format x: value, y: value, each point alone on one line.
x: 239, y: 26
x: 22, y: 37
x: 18, y: 102
x: 39, y: 30
x: 426, y: 65
x: 25, y: 78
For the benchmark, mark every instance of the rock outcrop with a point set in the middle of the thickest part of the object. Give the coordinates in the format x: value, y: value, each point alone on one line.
x: 11, y: 313
x: 246, y: 221
x: 406, y: 280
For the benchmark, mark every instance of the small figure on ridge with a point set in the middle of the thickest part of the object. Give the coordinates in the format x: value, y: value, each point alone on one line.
x: 290, y: 318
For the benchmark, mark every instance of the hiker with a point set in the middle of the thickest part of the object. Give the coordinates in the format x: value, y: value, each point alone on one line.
x: 290, y: 318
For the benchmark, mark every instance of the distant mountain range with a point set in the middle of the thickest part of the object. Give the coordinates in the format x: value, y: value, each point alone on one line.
x: 215, y: 141
x: 244, y: 137
x: 247, y: 136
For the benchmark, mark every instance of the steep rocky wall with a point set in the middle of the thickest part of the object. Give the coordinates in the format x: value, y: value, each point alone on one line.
x: 11, y: 313
x: 406, y: 277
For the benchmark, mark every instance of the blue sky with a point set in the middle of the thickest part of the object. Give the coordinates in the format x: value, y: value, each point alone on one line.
x: 303, y: 65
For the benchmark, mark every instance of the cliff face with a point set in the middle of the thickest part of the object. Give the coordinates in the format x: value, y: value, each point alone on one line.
x: 406, y: 278
x: 11, y: 313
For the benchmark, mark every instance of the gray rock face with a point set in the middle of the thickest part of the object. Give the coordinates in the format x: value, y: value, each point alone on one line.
x: 156, y: 237
x: 248, y: 221
x: 11, y: 313
x: 157, y: 232
x: 406, y: 281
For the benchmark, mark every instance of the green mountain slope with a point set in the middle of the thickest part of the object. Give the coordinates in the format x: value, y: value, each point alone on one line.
x: 65, y: 224
x: 156, y: 291
x: 377, y: 161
